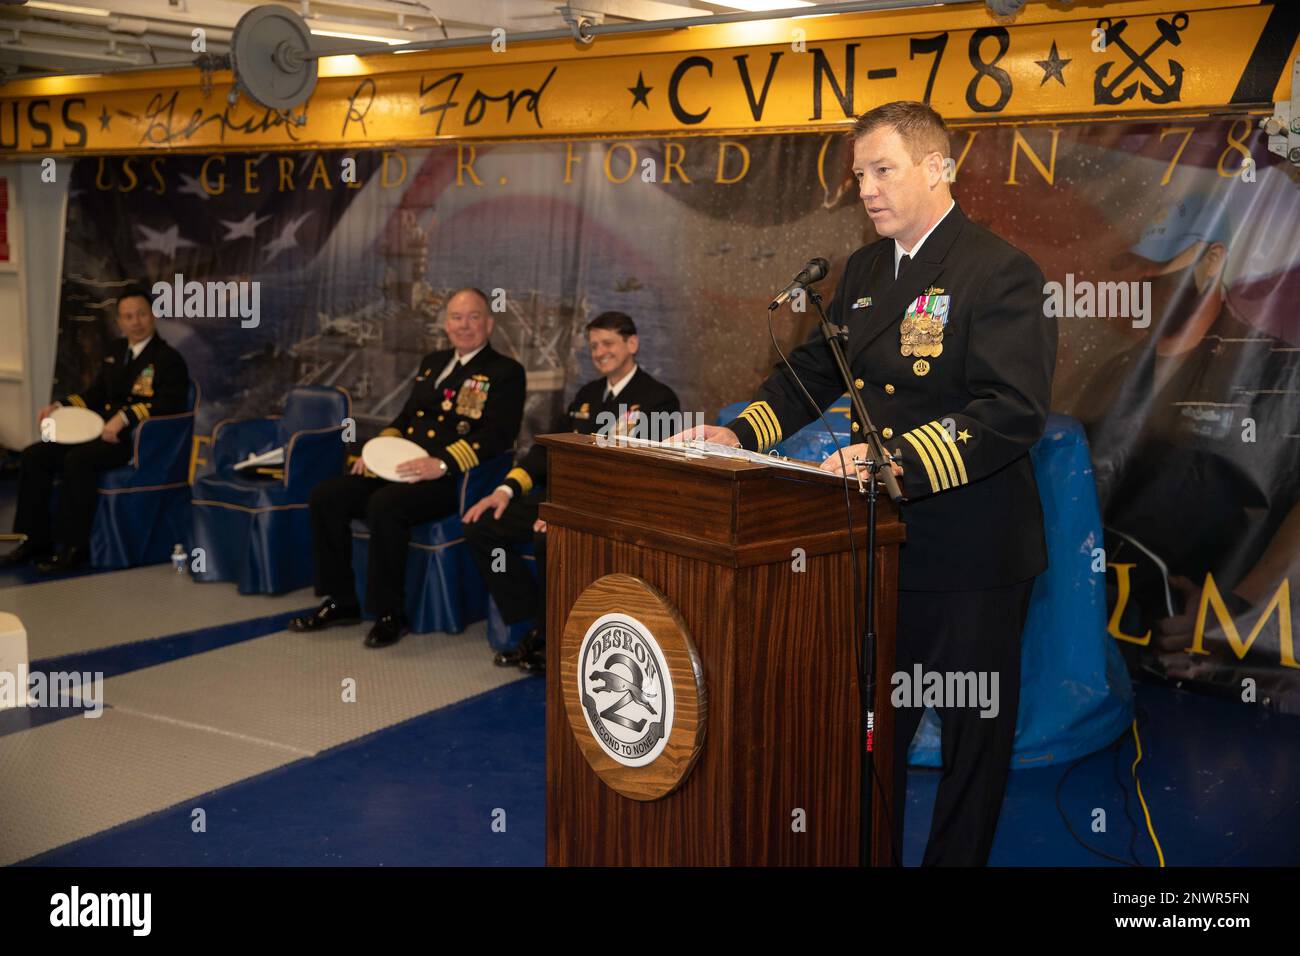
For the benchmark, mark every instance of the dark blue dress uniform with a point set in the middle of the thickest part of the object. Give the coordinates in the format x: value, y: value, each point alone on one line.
x: 517, y: 595
x: 472, y: 415
x: 154, y: 383
x: 954, y: 361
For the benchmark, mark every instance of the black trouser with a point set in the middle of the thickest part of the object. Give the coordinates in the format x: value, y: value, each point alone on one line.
x: 391, y: 509
x: 961, y: 631
x: 511, y: 585
x: 79, y: 467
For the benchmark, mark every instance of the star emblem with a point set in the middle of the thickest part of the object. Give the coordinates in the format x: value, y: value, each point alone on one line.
x: 640, y: 91
x: 1053, y: 66
x: 164, y: 242
x: 104, y: 118
x: 286, y: 240
x: 243, y: 228
x: 963, y: 436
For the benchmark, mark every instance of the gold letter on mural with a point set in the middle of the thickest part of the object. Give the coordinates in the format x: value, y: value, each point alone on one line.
x: 1210, y: 598
x: 1048, y: 172
x: 1167, y: 131
x: 155, y: 167
x: 319, y: 173
x: 466, y: 166
x: 386, y: 182
x: 286, y: 174
x: 723, y: 146
x: 674, y: 153
x: 631, y: 162
x: 970, y: 138
x: 1121, y: 601
x: 569, y: 161
x: 129, y: 171
x: 221, y: 178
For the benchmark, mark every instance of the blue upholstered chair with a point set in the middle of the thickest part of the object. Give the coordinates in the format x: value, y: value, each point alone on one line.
x: 444, y: 591
x: 1075, y: 693
x: 143, y: 510
x: 256, y: 531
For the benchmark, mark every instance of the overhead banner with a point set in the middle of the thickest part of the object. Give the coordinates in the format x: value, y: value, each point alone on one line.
x: 1171, y: 250
x: 737, y: 78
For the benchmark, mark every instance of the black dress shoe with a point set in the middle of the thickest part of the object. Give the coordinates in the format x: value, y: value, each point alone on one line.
x: 534, y: 662
x: 387, y: 630
x: 329, y: 614
x: 516, y: 654
x: 24, y: 554
x: 65, y: 560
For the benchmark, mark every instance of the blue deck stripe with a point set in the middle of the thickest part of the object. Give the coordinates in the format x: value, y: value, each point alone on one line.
x: 420, y: 793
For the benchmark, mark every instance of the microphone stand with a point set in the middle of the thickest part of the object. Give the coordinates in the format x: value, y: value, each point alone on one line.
x: 879, y: 466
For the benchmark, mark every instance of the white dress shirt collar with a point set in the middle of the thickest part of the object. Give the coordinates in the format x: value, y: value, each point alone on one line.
x: 899, y: 251
x: 462, y: 359
x: 138, y: 347
x: 621, y: 383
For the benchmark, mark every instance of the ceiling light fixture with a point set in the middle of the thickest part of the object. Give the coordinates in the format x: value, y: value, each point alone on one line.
x: 353, y: 36
x: 67, y: 8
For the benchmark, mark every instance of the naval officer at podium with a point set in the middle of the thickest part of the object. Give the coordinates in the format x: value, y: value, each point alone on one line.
x: 953, y: 356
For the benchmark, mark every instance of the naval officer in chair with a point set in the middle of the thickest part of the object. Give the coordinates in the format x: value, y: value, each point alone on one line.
x: 140, y: 376
x: 465, y: 407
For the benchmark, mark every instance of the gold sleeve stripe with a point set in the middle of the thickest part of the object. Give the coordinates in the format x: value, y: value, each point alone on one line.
x: 141, y: 413
x: 942, y: 456
x: 459, y: 455
x: 952, y: 448
x: 464, y: 454
x: 765, y: 410
x: 522, y: 477
x: 77, y: 400
x: 925, y: 460
x: 391, y: 431
x: 941, y: 470
x: 760, y: 429
x: 763, y: 420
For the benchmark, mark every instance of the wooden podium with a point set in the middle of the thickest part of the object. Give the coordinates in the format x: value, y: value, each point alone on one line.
x: 756, y: 561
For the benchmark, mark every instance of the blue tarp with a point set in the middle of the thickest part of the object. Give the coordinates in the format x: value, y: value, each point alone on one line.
x: 1075, y: 695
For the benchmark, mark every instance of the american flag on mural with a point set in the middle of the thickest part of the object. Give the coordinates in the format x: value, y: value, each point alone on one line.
x: 223, y: 218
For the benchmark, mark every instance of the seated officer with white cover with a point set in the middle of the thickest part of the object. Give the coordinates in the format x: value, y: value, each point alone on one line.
x: 465, y: 407
x: 141, y: 376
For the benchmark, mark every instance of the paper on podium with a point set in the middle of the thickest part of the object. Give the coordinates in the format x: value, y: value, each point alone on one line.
x: 698, y: 448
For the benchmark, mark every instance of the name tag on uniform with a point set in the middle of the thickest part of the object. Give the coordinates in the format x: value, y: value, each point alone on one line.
x: 862, y: 303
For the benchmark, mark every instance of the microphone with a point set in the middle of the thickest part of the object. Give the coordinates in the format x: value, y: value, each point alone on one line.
x: 814, y: 271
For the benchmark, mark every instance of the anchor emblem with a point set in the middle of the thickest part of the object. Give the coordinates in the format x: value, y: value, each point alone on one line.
x: 1160, y: 90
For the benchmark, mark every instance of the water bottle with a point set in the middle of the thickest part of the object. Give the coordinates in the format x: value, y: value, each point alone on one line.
x: 178, y: 558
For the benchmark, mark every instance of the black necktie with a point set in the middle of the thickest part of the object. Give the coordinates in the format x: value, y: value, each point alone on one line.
x: 609, y: 393
x: 902, y: 265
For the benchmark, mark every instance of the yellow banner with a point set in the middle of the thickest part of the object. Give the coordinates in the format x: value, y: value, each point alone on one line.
x: 1128, y: 59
